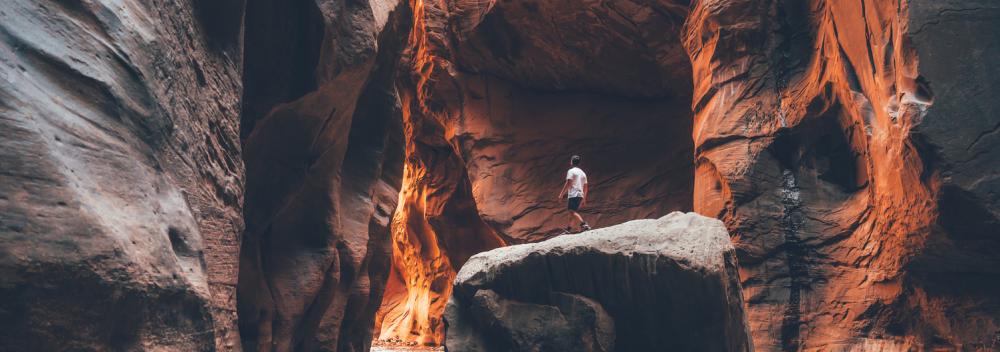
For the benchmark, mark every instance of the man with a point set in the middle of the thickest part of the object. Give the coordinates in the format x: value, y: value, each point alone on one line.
x: 576, y: 185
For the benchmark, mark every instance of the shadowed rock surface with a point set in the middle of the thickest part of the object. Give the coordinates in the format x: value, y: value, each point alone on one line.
x: 665, y: 284
x: 121, y: 181
x: 323, y: 147
x: 488, y: 322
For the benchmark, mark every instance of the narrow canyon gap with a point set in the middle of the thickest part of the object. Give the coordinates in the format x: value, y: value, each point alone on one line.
x: 224, y: 175
x: 322, y: 142
x: 816, y: 139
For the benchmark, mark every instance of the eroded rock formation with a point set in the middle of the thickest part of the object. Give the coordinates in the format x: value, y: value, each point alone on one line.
x: 850, y: 147
x: 846, y: 145
x: 121, y: 181
x: 666, y: 284
x: 323, y: 149
x: 819, y: 141
x: 496, y: 97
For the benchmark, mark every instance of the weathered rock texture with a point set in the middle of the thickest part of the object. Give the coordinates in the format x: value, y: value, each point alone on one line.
x: 496, y: 97
x: 669, y: 284
x: 323, y: 147
x: 850, y: 147
x: 488, y: 322
x: 121, y: 181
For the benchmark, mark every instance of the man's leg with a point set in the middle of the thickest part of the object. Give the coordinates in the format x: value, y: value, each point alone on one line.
x: 574, y: 207
x: 583, y: 223
x: 572, y: 204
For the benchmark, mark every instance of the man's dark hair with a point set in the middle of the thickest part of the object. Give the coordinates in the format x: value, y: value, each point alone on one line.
x: 575, y: 160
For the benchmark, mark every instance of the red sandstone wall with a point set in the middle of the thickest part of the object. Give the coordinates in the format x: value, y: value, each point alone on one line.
x: 816, y: 139
x: 497, y: 99
x: 849, y: 146
x: 808, y: 146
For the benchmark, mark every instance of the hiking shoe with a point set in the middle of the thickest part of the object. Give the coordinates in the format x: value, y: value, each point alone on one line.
x: 566, y: 231
x: 585, y: 227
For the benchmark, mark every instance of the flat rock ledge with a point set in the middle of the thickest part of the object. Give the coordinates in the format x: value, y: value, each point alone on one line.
x: 667, y: 284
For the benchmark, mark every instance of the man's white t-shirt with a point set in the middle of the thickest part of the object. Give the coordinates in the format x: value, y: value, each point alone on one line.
x: 578, y: 179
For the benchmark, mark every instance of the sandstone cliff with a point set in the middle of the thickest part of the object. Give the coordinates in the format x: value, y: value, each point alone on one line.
x: 496, y: 97
x: 847, y: 145
x: 121, y: 181
x: 323, y: 148
x: 850, y: 148
x: 820, y: 141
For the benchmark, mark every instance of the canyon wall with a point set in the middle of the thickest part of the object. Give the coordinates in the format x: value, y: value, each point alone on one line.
x: 323, y: 149
x: 496, y: 98
x: 847, y: 146
x: 850, y: 147
x: 850, y: 154
x: 121, y: 181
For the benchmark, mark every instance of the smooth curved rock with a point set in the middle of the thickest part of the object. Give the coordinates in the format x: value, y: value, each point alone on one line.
x: 121, y: 181
x: 323, y: 149
x: 667, y: 284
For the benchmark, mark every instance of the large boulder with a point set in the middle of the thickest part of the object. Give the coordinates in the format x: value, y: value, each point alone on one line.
x: 665, y: 284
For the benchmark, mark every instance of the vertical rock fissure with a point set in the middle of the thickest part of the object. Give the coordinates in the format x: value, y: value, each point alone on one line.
x: 795, y: 251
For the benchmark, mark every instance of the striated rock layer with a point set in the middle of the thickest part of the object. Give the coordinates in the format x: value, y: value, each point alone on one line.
x: 848, y: 149
x: 323, y: 149
x: 496, y: 97
x: 121, y: 181
x: 667, y: 284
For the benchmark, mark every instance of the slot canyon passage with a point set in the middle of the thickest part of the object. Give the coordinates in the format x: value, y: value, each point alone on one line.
x: 312, y: 174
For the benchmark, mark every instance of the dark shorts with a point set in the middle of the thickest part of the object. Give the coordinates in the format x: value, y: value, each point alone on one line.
x: 574, y: 203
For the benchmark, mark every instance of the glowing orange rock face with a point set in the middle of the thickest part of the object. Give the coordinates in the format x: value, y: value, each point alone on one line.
x: 435, y: 226
x: 850, y: 146
x: 808, y: 147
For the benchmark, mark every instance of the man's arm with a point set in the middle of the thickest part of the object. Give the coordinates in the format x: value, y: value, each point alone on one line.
x: 565, y: 188
x: 586, y: 191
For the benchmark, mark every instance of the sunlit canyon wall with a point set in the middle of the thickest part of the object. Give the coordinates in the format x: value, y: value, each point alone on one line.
x: 849, y: 154
x: 171, y: 166
x: 847, y: 151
